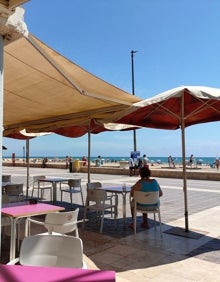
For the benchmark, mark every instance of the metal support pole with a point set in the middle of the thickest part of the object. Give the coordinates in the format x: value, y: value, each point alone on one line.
x: 1, y: 114
x: 28, y: 165
x: 184, y: 165
x: 133, y: 92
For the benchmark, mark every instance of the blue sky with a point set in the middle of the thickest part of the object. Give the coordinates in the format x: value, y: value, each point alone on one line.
x: 178, y: 43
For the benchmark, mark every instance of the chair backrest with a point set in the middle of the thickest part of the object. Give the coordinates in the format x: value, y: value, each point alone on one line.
x: 61, y: 222
x: 36, y: 177
x: 94, y: 185
x: 74, y: 183
x: 35, y: 180
x: 52, y: 250
x: 6, y: 178
x: 14, y: 189
x: 147, y: 198
x: 96, y: 195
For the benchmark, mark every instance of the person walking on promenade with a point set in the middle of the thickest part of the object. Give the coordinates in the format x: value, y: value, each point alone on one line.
x: 44, y: 162
x: 145, y: 184
x: 191, y: 160
x: 217, y: 163
x: 171, y: 162
x: 131, y: 166
x: 145, y: 161
x: 67, y: 162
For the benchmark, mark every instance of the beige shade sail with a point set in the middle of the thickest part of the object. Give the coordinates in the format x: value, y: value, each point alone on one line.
x: 11, y: 4
x: 44, y: 91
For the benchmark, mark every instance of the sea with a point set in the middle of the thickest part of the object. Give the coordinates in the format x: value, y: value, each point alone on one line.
x: 115, y: 159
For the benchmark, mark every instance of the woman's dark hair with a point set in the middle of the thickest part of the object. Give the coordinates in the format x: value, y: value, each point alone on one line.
x: 144, y: 172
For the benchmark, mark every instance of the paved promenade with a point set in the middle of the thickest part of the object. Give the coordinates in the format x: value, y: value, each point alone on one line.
x: 146, y: 256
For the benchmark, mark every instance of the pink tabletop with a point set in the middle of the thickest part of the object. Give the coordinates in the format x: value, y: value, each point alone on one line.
x: 26, y: 209
x: 18, y: 273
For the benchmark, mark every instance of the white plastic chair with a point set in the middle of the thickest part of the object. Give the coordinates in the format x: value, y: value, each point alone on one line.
x: 14, y: 192
x: 98, y: 198
x: 74, y: 186
x: 6, y: 178
x: 59, y: 223
x: 41, y: 187
x: 149, y: 198
x: 96, y: 185
x: 51, y: 251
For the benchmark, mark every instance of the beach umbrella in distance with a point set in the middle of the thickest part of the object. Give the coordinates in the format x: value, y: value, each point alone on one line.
x: 176, y: 108
x: 4, y: 148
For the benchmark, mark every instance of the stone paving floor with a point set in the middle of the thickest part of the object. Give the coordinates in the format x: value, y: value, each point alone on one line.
x: 146, y: 256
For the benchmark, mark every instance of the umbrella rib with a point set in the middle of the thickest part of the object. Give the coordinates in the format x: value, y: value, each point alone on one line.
x: 69, y: 79
x: 202, y: 107
x: 54, y: 64
x: 109, y: 99
x: 165, y: 110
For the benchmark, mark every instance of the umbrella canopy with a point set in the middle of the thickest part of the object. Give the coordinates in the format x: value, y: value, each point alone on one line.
x: 44, y: 91
x: 94, y: 126
x: 191, y: 104
x: 176, y: 108
x: 4, y: 148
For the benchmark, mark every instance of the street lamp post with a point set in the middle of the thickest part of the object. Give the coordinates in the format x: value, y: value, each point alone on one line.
x: 133, y: 92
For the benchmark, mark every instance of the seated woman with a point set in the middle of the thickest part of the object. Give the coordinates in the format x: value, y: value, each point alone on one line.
x: 145, y: 184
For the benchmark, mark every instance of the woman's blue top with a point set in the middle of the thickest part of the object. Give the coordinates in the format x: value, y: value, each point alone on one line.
x: 151, y: 186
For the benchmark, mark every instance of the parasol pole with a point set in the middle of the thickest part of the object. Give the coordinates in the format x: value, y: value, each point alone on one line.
x: 1, y: 117
x: 89, y: 153
x: 133, y: 93
x: 184, y: 164
x: 27, y: 165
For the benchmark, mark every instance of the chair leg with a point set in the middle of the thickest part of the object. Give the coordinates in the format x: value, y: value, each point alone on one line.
x: 71, y: 199
x: 2, y: 235
x: 155, y: 221
x: 161, y: 234
x: 135, y: 221
x: 61, y: 196
x: 51, y: 197
x: 77, y: 232
x: 18, y: 235
x: 84, y: 217
x: 115, y: 216
x: 102, y: 221
x: 81, y: 195
x: 116, y: 205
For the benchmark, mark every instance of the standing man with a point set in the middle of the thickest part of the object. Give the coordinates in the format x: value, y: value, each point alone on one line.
x: 191, y: 160
x: 145, y: 161
x: 131, y: 166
